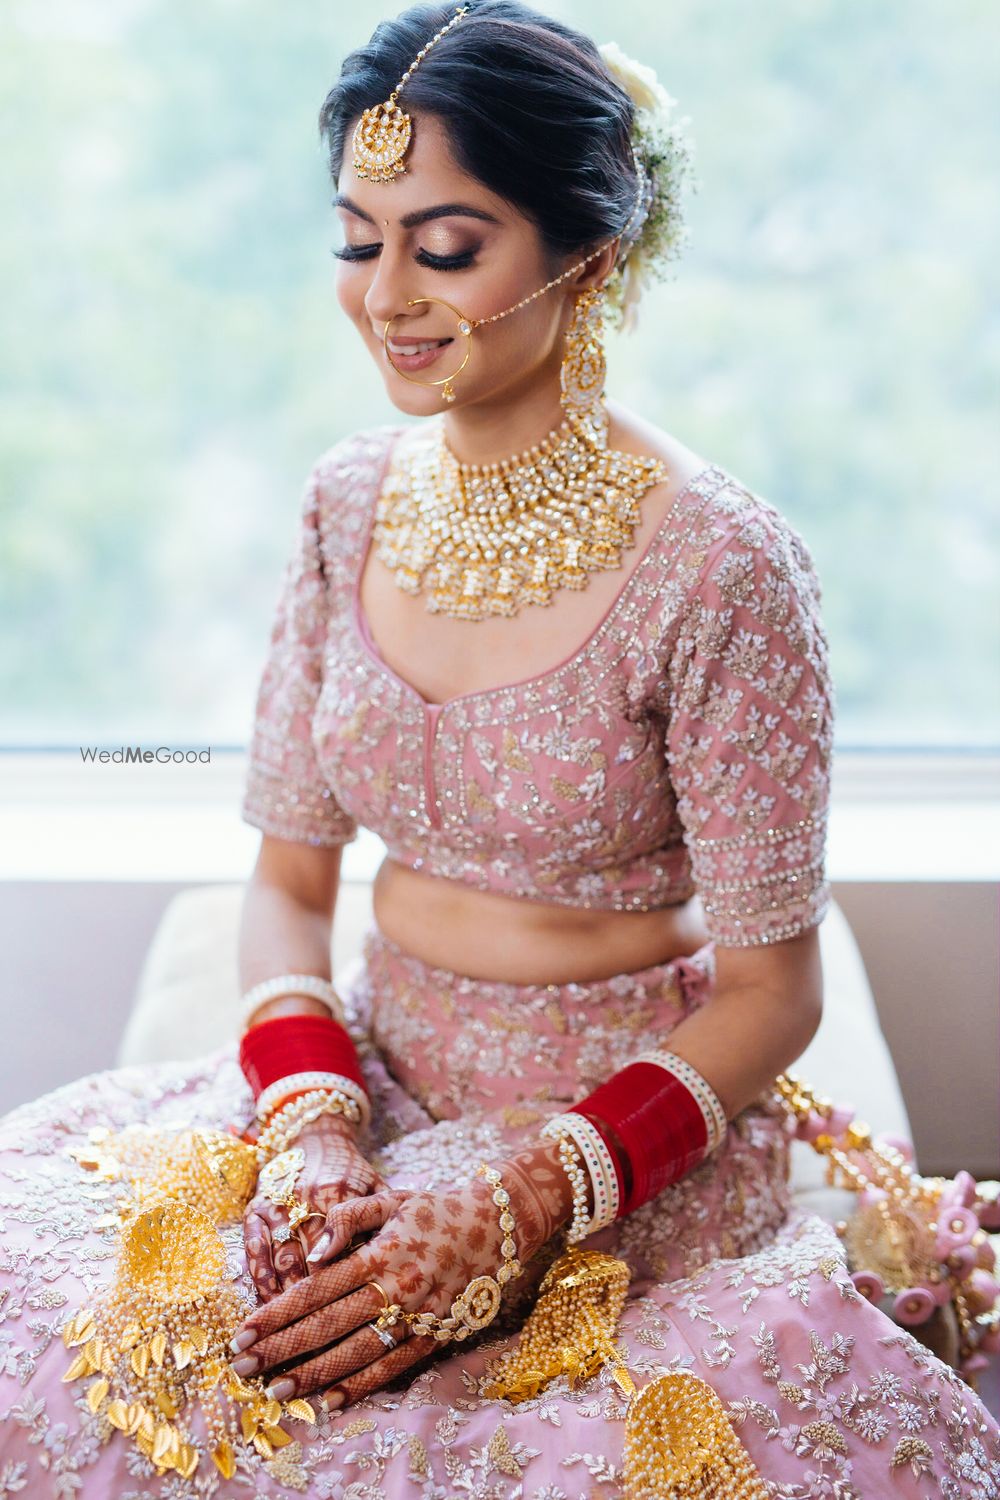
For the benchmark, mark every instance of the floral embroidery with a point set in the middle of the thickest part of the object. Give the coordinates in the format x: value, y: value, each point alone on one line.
x: 730, y: 1279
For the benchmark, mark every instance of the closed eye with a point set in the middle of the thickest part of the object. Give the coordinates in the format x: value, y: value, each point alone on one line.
x: 424, y: 257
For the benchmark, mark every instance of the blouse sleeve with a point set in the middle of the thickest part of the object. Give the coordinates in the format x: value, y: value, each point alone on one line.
x: 284, y: 792
x: 751, y: 706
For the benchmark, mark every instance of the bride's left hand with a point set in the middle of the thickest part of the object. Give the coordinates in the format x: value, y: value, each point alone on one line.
x: 426, y: 1248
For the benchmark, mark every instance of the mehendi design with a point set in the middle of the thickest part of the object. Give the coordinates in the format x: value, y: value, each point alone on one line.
x: 334, y: 1170
x: 426, y: 1248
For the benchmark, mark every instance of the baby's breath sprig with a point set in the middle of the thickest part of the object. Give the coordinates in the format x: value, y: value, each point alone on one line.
x: 666, y: 151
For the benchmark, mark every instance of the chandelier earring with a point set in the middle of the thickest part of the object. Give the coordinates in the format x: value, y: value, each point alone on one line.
x: 584, y: 368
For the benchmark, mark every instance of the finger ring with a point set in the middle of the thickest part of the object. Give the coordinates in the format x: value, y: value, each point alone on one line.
x: 276, y: 1182
x: 379, y: 1287
x: 298, y: 1212
x: 391, y: 1311
x: 313, y: 1214
x: 384, y: 1335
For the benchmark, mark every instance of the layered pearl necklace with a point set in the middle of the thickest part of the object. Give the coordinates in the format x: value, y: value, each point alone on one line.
x: 487, y: 539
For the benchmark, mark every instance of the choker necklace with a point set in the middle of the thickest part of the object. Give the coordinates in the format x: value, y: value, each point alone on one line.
x: 487, y: 539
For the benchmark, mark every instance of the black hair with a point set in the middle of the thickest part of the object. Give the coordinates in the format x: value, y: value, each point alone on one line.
x: 530, y: 109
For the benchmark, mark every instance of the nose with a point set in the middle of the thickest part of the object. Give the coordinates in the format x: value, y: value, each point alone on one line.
x: 387, y: 294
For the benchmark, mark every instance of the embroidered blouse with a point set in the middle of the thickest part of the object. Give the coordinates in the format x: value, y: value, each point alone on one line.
x: 686, y: 746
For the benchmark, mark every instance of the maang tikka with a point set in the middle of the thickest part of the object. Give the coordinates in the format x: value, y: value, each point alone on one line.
x: 383, y: 134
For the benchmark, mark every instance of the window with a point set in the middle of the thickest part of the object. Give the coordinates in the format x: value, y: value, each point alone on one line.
x: 174, y: 359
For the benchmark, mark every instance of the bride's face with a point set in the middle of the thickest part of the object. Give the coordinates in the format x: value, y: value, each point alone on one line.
x: 437, y: 232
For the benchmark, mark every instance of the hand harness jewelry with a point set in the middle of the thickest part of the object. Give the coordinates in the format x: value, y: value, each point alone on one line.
x: 479, y: 1304
x: 277, y: 1184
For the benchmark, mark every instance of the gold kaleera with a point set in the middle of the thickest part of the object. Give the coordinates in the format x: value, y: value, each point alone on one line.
x: 679, y: 1442
x: 893, y: 1237
x: 158, y: 1340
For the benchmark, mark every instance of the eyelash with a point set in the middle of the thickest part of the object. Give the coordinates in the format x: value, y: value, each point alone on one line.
x: 436, y: 262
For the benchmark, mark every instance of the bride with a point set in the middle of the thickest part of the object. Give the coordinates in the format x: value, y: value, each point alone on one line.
x: 576, y: 678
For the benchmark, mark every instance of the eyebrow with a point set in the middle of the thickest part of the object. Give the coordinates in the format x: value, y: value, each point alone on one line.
x: 420, y: 215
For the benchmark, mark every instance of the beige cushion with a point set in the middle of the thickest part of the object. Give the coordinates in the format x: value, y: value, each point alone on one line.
x: 187, y: 998
x: 187, y: 1004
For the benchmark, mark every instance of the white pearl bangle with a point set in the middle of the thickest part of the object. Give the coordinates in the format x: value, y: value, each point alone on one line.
x: 707, y: 1099
x: 286, y: 1125
x: 580, y: 1143
x: 569, y: 1156
x: 602, y: 1168
x: 298, y: 1083
x: 292, y: 984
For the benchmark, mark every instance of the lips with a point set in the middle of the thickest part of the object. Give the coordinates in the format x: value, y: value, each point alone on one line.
x: 401, y: 339
x: 418, y: 358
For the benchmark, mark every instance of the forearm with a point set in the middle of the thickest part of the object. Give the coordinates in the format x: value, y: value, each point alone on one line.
x: 279, y: 934
x: 742, y: 1038
x: 739, y: 1041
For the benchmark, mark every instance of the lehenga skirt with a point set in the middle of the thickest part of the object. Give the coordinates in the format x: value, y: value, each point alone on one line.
x: 730, y: 1278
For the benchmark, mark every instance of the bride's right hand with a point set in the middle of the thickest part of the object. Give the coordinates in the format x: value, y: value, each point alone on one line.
x: 334, y: 1171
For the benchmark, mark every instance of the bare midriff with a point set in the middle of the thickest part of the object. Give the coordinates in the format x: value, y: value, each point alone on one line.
x: 488, y: 936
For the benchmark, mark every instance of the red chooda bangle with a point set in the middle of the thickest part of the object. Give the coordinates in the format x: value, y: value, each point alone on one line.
x: 659, y: 1123
x: 287, y: 1045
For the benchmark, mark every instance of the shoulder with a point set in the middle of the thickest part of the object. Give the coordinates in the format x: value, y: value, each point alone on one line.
x: 355, y: 459
x: 704, y: 503
x: 736, y: 540
x: 340, y: 489
x: 631, y: 433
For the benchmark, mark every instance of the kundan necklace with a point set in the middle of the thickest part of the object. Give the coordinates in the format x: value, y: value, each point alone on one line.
x: 483, y: 540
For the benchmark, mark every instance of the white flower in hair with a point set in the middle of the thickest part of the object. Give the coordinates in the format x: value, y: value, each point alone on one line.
x: 638, y: 80
x: 666, y: 151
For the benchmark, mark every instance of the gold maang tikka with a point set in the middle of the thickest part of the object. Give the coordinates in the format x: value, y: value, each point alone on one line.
x: 383, y: 134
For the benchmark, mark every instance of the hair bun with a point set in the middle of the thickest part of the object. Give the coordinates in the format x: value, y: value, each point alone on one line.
x: 665, y: 151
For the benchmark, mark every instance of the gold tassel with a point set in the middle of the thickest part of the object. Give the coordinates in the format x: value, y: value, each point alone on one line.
x: 158, y: 1338
x: 679, y: 1443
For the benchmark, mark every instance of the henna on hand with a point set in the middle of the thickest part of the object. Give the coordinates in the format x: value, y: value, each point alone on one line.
x: 426, y: 1248
x: 334, y: 1172
x: 380, y: 1372
x: 541, y: 1194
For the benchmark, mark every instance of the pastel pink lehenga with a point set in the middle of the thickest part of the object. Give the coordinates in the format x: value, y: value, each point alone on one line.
x: 686, y: 746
